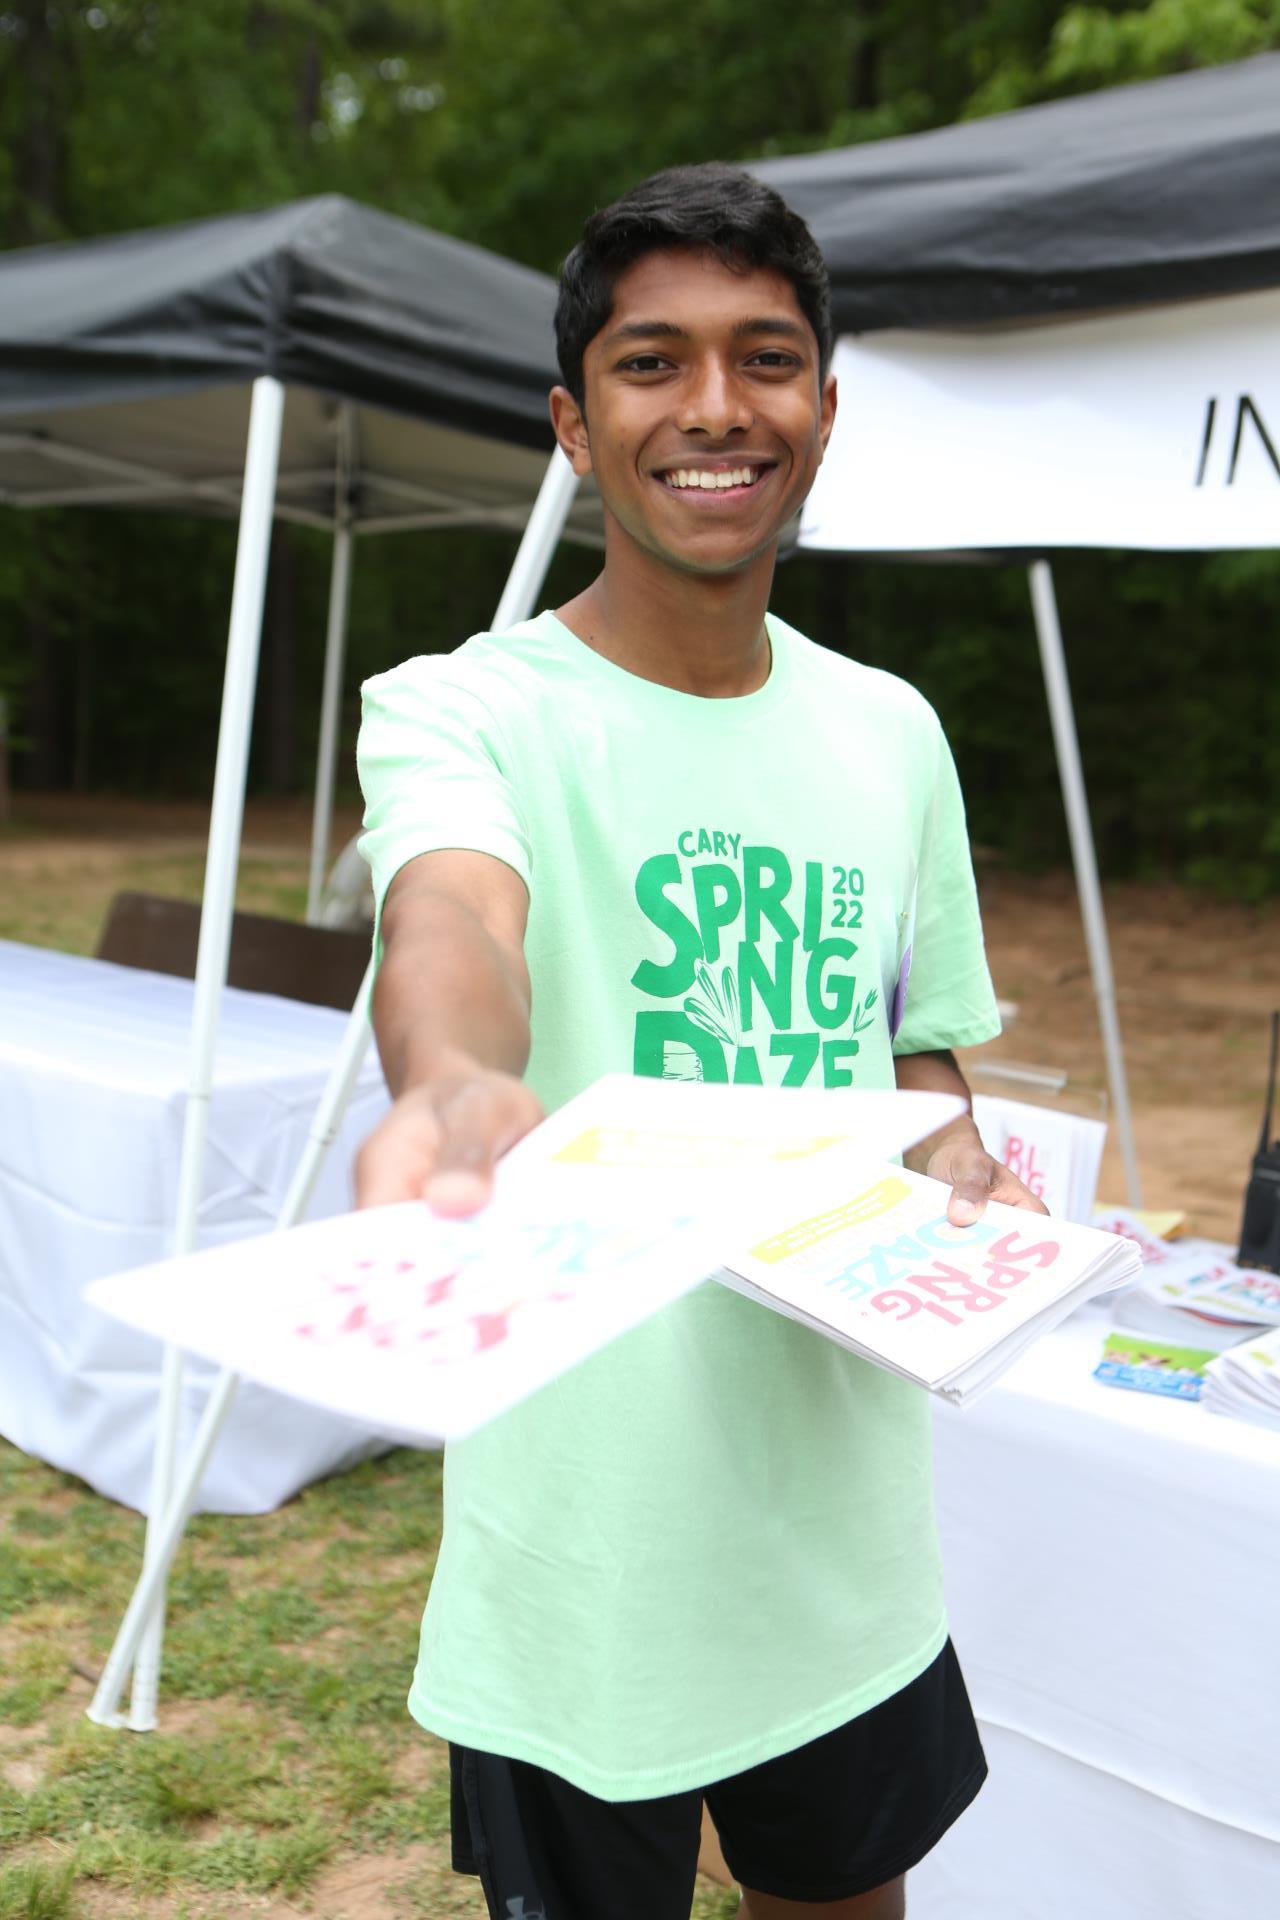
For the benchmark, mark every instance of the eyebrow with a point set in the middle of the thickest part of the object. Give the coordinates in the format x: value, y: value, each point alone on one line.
x: 773, y: 325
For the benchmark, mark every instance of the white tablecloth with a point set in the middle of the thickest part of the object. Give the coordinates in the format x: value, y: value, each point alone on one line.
x: 94, y: 1061
x: 1113, y: 1575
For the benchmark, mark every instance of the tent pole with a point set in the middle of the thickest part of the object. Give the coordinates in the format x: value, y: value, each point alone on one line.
x: 1057, y: 687
x: 148, y: 1594
x: 143, y: 1623
x: 538, y: 543
x: 335, y: 651
x: 252, y: 551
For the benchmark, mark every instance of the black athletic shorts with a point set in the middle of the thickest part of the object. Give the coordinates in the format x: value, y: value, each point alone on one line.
x: 835, y: 1818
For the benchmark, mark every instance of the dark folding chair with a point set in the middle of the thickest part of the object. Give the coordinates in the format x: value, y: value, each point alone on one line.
x: 321, y: 965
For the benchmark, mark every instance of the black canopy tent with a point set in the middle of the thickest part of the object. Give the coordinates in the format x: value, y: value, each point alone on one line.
x: 1169, y: 190
x: 976, y: 236
x: 320, y: 363
x: 417, y: 370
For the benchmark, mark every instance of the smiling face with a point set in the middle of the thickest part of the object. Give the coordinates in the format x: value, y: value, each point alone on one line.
x: 705, y: 417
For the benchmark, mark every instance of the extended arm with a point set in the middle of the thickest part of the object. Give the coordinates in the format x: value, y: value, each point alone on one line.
x: 956, y: 1153
x: 451, y: 1015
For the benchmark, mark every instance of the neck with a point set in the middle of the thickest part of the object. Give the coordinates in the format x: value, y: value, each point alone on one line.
x: 698, y: 633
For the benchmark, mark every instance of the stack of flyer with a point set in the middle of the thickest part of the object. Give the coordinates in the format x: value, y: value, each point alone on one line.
x: 1245, y: 1381
x: 629, y: 1196
x: 1055, y: 1154
x: 884, y: 1273
x: 1192, y: 1287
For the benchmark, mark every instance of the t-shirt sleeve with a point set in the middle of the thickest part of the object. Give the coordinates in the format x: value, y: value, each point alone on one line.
x: 948, y: 997
x: 431, y: 765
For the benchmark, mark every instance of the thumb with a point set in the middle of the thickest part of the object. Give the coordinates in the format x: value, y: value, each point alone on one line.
x: 970, y: 1189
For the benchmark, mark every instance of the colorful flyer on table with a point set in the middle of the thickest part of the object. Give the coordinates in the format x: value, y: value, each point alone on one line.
x: 1153, y: 1366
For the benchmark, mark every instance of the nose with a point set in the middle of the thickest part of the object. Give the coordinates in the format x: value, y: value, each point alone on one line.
x: 714, y: 401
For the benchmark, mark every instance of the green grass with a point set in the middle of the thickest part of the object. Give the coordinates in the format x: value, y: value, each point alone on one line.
x: 63, y: 902
x: 32, y: 1891
x: 290, y: 1643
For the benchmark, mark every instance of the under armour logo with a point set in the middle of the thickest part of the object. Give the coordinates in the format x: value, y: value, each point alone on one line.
x: 517, y: 1910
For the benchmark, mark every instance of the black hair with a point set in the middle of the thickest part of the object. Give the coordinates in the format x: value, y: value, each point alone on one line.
x: 711, y: 208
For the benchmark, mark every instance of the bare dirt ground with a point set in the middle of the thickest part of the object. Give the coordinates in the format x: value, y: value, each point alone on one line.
x: 1195, y: 976
x: 1195, y: 981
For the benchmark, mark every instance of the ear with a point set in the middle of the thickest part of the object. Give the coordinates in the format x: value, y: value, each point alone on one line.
x: 570, y: 425
x: 827, y: 409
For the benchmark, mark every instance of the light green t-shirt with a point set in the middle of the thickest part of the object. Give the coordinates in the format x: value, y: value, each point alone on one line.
x: 713, y: 1541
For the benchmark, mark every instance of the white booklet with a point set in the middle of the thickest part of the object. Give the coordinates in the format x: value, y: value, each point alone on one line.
x: 1245, y: 1381
x: 884, y: 1273
x: 425, y: 1328
x: 1056, y: 1155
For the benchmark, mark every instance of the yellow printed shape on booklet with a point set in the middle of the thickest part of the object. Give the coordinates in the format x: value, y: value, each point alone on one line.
x: 881, y: 1198
x: 649, y: 1147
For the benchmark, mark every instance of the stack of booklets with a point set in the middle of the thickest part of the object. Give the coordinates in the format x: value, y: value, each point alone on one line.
x: 884, y: 1273
x: 1055, y: 1154
x: 1245, y: 1381
x: 1191, y: 1288
x: 628, y: 1197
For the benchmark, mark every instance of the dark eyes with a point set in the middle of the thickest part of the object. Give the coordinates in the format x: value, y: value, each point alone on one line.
x: 770, y: 358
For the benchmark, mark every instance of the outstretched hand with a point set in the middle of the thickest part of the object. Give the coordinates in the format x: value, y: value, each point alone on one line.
x: 974, y: 1178
x: 441, y: 1141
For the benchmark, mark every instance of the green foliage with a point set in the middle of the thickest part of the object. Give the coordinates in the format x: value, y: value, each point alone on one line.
x: 504, y: 123
x: 33, y: 1891
x: 1095, y: 47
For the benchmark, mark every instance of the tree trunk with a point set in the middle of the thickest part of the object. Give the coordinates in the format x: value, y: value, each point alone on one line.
x: 864, y: 77
x: 46, y: 699
x: 310, y: 79
x: 43, y: 78
x: 42, y: 74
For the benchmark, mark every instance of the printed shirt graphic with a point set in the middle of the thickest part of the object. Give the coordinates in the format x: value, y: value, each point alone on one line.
x: 714, y: 1540
x: 749, y: 986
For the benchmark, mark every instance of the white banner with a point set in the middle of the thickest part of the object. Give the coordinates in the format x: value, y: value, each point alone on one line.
x: 1155, y: 428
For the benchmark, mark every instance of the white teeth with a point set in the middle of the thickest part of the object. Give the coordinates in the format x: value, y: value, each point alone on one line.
x: 708, y: 481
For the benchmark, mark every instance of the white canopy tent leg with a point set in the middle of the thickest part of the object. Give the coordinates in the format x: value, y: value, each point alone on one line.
x: 1067, y: 745
x: 253, y: 549
x: 148, y: 1595
x: 144, y: 1616
x: 335, y: 653
x: 537, y: 544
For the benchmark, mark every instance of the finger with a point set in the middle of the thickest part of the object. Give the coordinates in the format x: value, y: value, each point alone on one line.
x: 398, y: 1158
x: 478, y: 1124
x: 970, y: 1177
x: 1008, y: 1188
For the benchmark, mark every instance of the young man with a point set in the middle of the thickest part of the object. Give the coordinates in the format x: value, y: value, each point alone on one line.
x: 658, y: 831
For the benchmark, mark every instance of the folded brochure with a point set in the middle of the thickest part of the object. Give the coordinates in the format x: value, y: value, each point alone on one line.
x: 622, y: 1201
